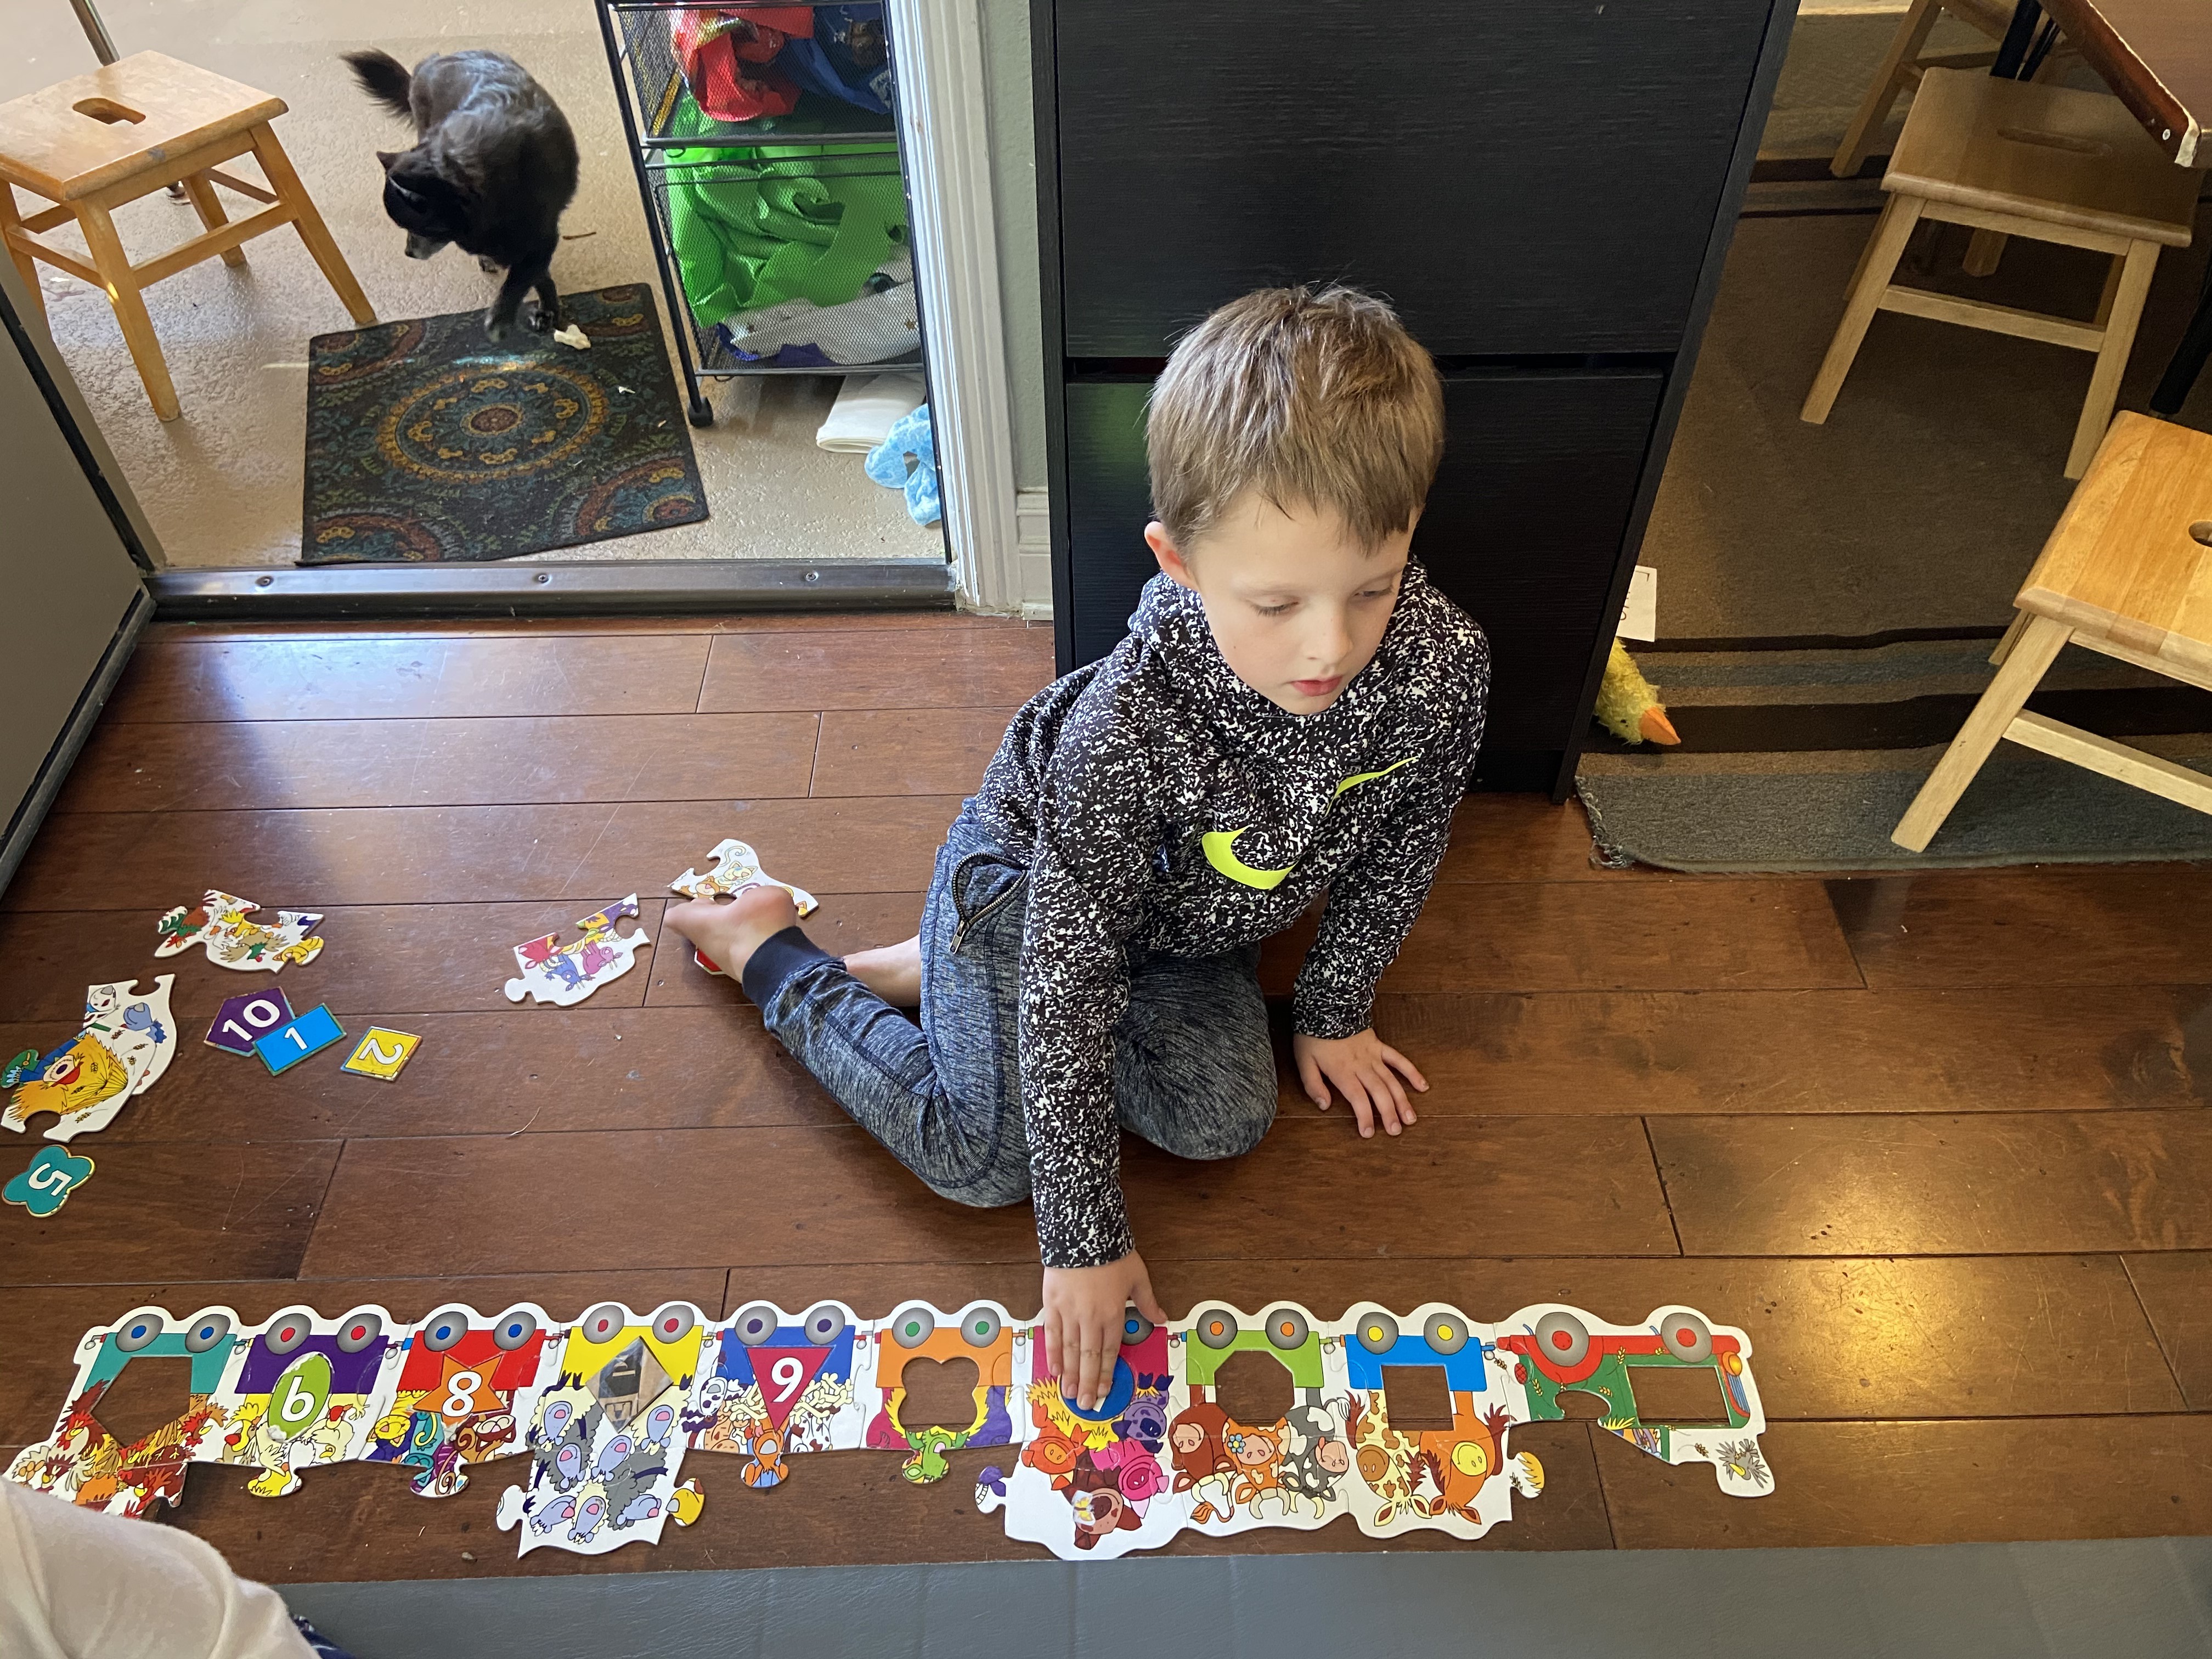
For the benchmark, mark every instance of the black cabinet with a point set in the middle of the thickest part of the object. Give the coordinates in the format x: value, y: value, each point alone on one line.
x: 1544, y: 190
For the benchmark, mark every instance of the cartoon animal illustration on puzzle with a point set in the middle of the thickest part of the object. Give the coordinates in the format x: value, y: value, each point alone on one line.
x: 566, y: 974
x: 1090, y: 1482
x: 608, y: 1439
x: 780, y: 1386
x: 462, y: 1388
x: 606, y: 1409
x: 220, y: 923
x: 122, y: 1050
x: 736, y: 867
x: 83, y: 1462
x: 307, y: 1392
x: 984, y: 1338
x: 1458, y: 1479
x: 1558, y: 1349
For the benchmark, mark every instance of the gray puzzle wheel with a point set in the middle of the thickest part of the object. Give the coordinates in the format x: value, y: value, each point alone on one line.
x: 981, y: 1327
x: 1445, y: 1334
x: 912, y: 1325
x: 1688, y: 1337
x: 604, y: 1323
x: 137, y: 1332
x: 1215, y: 1327
x: 1562, y: 1339
x: 1287, y: 1328
x: 358, y: 1331
x: 825, y: 1324
x: 445, y: 1328
x: 675, y: 1321
x: 1135, y: 1328
x: 1377, y: 1331
x: 206, y: 1331
x: 285, y: 1332
x: 516, y: 1326
x: 756, y: 1324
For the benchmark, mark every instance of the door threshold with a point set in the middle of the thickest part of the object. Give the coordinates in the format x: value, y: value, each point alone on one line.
x: 642, y: 587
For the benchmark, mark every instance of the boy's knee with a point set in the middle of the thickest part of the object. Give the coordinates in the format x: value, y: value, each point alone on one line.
x: 993, y: 1190
x: 1236, y: 1122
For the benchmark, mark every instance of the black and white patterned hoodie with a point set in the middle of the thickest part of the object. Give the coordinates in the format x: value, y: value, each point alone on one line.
x: 1163, y: 803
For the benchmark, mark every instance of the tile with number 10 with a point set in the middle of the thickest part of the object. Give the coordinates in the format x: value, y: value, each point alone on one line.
x: 288, y: 1045
x: 243, y: 1021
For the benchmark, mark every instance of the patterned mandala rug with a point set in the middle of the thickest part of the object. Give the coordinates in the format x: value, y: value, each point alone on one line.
x: 426, y: 442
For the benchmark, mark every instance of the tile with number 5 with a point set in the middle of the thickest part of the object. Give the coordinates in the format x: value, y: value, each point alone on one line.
x: 381, y: 1054
x: 287, y: 1046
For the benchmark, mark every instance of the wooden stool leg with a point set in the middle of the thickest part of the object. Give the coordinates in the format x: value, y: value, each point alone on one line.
x: 2012, y: 634
x: 1877, y: 265
x: 2032, y: 654
x: 1983, y: 249
x: 2127, y: 304
x: 114, y: 266
x: 293, y: 194
x: 1888, y: 80
x: 26, y: 266
x: 204, y: 202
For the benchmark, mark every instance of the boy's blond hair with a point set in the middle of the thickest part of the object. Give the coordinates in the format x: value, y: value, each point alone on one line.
x: 1315, y: 398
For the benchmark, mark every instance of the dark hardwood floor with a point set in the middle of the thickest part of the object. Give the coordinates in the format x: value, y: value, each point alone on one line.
x: 1939, y: 1142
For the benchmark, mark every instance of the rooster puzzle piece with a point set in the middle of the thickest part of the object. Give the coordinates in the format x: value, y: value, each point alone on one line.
x: 219, y: 923
x: 123, y: 1048
x: 563, y: 974
x: 736, y: 867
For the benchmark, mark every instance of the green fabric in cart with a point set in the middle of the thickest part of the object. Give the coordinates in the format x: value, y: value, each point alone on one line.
x: 760, y: 225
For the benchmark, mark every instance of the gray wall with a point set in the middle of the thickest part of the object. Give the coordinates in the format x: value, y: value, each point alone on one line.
x: 1013, y: 192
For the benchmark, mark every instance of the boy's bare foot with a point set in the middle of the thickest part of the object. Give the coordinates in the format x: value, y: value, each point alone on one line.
x: 893, y: 972
x: 727, y: 934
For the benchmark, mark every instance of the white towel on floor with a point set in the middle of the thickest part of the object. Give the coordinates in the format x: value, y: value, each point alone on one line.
x: 868, y: 406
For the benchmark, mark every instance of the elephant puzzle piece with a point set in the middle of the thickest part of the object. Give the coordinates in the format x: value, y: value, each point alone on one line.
x: 219, y: 923
x: 122, y: 1050
x: 566, y: 974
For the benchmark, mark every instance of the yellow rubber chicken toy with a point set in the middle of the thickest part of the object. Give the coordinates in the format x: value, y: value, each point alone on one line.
x: 1628, y: 705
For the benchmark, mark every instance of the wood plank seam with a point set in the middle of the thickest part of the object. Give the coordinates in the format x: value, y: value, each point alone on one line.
x: 2158, y: 1336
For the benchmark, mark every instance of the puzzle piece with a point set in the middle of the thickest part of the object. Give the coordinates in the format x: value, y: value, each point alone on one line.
x: 288, y: 1045
x: 736, y: 867
x: 564, y: 975
x: 46, y: 1185
x: 219, y: 923
x: 381, y: 1054
x: 124, y: 1046
x: 244, y: 1020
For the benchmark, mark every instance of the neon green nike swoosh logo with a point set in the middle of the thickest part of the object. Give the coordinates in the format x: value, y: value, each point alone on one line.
x: 1221, y: 845
x: 1358, y: 778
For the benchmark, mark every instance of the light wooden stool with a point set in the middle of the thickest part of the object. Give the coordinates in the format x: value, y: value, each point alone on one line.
x: 2128, y: 572
x: 1905, y: 62
x: 2015, y: 159
x: 125, y: 130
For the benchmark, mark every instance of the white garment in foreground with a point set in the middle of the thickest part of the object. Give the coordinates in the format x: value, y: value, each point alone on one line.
x: 78, y: 1584
x: 868, y: 406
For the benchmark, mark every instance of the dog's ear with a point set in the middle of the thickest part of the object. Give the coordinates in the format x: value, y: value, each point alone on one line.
x: 387, y: 157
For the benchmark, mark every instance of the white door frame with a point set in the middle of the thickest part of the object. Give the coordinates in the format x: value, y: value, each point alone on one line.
x: 938, y: 58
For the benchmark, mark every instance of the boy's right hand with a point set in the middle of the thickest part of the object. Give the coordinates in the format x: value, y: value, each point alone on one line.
x: 1084, y: 1311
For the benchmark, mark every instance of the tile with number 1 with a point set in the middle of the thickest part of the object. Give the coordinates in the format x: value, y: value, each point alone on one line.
x: 287, y: 1046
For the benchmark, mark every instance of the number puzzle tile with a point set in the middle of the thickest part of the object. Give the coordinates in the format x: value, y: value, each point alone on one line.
x: 219, y: 922
x: 287, y: 1046
x: 54, y: 1174
x: 245, y: 1019
x: 736, y: 867
x: 381, y: 1054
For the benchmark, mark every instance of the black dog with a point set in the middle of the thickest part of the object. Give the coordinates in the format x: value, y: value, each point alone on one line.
x: 493, y: 167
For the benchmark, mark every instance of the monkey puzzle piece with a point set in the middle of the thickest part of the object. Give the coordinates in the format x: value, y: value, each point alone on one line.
x: 219, y: 922
x: 123, y: 1047
x: 736, y: 867
x: 288, y: 1045
x: 564, y: 975
x: 381, y: 1054
x: 54, y: 1174
x: 245, y: 1019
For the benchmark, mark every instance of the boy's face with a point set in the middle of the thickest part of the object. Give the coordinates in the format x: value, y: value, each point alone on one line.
x: 1297, y: 608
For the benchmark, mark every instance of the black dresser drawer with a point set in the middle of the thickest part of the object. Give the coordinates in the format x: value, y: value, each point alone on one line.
x: 1523, y: 528
x: 1534, y: 177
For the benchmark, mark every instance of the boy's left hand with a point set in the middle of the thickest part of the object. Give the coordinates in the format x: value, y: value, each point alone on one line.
x: 1366, y: 1069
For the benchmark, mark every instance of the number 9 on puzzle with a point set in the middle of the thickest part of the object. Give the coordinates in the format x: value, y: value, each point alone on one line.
x: 381, y: 1054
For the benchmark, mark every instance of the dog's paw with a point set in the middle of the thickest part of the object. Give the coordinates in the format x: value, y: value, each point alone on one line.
x: 542, y: 321
x: 490, y: 267
x: 497, y: 328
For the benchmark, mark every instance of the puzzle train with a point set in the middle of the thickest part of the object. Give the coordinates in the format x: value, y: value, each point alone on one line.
x: 606, y: 1409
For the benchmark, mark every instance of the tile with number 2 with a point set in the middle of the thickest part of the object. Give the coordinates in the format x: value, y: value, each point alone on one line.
x: 288, y: 1045
x: 381, y: 1054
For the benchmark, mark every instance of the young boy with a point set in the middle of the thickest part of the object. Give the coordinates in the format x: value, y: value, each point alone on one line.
x: 1295, y: 710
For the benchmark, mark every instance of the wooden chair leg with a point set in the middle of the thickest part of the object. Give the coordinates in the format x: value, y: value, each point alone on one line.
x: 114, y: 266
x: 1888, y: 80
x: 2030, y: 658
x: 1983, y: 249
x: 205, y: 203
x: 2126, y: 312
x: 293, y: 194
x: 26, y: 266
x: 2011, y: 638
x: 1877, y: 265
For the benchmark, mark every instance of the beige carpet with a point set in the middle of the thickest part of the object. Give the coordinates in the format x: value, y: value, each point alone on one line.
x: 222, y: 483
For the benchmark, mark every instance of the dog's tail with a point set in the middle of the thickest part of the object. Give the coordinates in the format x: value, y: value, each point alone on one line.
x: 384, y: 78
